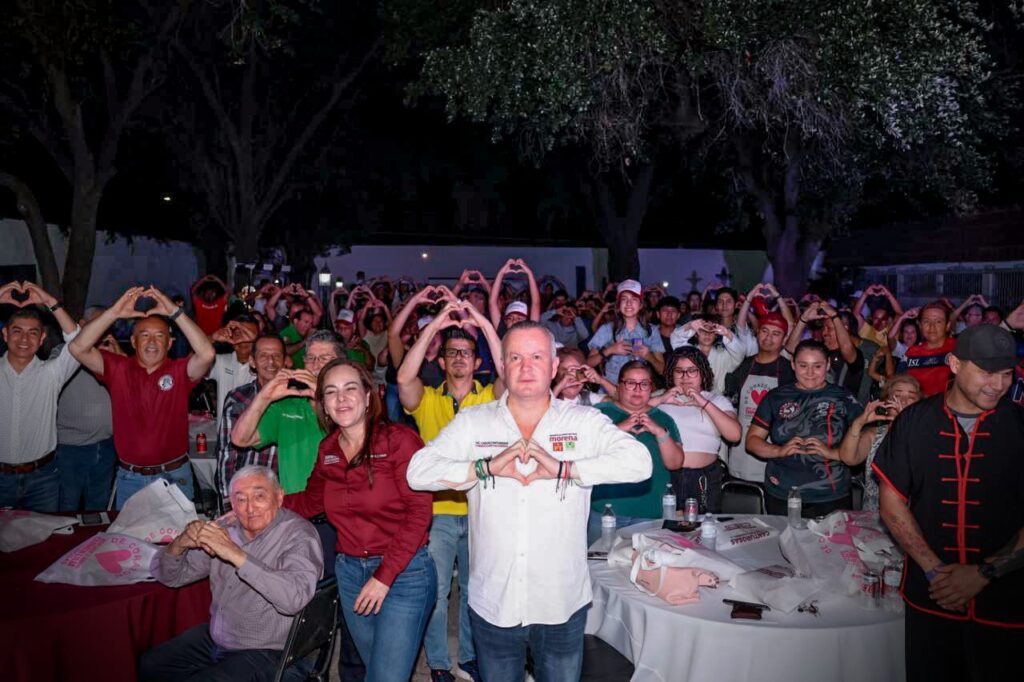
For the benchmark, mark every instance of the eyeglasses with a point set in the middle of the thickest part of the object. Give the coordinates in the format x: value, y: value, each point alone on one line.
x: 459, y: 353
x: 636, y: 385
x: 318, y: 359
x: 685, y: 372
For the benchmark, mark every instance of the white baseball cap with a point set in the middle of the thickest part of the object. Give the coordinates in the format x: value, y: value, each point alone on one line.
x: 517, y: 307
x: 423, y: 322
x: 630, y: 285
x: 345, y: 315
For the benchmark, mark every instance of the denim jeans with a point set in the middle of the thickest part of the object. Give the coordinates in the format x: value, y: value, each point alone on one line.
x: 557, y: 649
x: 193, y: 656
x: 129, y: 482
x: 594, y: 525
x: 86, y: 471
x: 402, y: 618
x: 37, y: 490
x: 449, y: 539
x: 350, y: 666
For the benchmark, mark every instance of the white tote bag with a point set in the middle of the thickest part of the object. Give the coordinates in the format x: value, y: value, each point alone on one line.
x: 157, y: 513
x: 20, y: 528
x: 103, y: 559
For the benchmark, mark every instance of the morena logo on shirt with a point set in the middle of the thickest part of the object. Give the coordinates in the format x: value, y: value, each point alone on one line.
x: 166, y: 382
x: 789, y: 410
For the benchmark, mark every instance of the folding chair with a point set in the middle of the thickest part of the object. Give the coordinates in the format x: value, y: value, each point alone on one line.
x: 742, y: 497
x: 312, y: 631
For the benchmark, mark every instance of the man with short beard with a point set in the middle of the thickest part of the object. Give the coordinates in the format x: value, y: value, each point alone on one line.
x: 952, y: 476
x: 29, y: 387
x: 433, y: 409
x: 148, y: 392
x: 266, y: 360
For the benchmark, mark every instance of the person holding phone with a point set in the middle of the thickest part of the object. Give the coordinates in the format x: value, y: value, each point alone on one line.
x: 868, y: 431
x: 626, y: 337
x: 386, y: 578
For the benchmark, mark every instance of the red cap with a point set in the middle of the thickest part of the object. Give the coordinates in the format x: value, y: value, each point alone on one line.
x: 774, y: 320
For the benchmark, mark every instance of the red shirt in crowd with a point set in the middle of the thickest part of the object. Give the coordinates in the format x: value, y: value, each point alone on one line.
x: 389, y: 519
x: 928, y: 365
x: 209, y: 315
x: 150, y: 410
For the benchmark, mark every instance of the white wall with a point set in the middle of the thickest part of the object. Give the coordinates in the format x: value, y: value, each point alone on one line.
x: 119, y: 263
x: 444, y: 264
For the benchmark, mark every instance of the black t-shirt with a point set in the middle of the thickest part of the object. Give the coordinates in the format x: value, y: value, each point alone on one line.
x: 787, y: 412
x: 781, y: 368
x: 843, y: 373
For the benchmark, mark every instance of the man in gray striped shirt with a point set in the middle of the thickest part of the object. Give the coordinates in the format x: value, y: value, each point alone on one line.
x: 263, y: 566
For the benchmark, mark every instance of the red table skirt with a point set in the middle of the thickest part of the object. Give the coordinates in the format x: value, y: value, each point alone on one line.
x: 63, y: 632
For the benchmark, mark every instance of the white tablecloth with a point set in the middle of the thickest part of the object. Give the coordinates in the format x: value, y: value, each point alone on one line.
x: 698, y: 642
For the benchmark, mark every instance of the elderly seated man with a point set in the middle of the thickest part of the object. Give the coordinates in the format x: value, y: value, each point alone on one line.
x: 264, y: 565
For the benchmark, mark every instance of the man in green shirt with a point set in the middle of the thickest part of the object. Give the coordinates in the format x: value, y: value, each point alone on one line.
x: 287, y: 416
x: 637, y: 502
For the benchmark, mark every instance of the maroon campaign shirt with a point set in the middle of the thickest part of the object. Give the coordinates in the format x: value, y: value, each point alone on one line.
x: 390, y: 519
x: 150, y: 410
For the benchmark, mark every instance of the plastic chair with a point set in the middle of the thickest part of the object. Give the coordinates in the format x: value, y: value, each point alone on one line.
x: 312, y: 631
x: 742, y: 497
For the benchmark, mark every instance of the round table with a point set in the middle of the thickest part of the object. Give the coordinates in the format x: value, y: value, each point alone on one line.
x: 844, y: 643
x: 62, y: 632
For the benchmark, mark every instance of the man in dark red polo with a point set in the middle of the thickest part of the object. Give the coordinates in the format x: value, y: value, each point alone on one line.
x: 148, y: 392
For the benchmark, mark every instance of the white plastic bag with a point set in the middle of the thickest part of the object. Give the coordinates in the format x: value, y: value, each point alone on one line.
x: 665, y: 548
x: 104, y: 559
x: 776, y: 586
x: 828, y: 551
x: 20, y: 528
x: 157, y: 513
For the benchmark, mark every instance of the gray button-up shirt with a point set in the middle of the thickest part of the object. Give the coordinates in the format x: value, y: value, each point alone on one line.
x: 28, y: 405
x: 253, y: 606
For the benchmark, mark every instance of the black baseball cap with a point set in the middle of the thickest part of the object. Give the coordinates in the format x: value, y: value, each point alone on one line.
x: 988, y: 346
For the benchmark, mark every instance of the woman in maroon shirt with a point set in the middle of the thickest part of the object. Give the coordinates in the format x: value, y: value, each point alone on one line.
x: 386, y: 579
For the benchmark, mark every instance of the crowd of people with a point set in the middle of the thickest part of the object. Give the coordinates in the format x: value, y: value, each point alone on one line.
x: 479, y: 431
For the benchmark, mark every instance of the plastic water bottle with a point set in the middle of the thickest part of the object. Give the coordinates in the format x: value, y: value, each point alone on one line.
x: 668, y: 503
x: 608, y: 527
x: 708, y: 531
x: 794, y: 507
x: 891, y: 576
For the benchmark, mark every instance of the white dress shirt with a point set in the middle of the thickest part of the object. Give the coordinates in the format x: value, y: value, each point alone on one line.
x: 28, y: 405
x: 528, y: 546
x: 229, y: 374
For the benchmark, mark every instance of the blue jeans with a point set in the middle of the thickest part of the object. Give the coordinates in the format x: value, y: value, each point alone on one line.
x: 557, y: 649
x: 391, y: 656
x: 449, y: 538
x: 193, y: 656
x: 86, y: 471
x: 129, y: 482
x: 37, y: 490
x: 594, y: 525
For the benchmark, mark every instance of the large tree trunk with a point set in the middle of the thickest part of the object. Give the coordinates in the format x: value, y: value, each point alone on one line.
x: 791, y: 255
x: 29, y: 210
x: 81, y: 249
x: 620, y: 229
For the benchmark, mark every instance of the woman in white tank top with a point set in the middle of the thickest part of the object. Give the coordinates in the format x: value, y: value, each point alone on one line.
x: 704, y: 419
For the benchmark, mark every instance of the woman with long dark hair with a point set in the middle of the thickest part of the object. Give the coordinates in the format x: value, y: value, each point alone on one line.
x: 386, y: 579
x: 704, y: 418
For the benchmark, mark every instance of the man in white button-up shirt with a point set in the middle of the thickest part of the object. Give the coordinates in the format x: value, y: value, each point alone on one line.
x: 528, y: 584
x: 29, y: 387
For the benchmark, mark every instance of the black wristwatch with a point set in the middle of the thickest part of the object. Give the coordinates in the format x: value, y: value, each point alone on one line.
x: 56, y: 306
x: 176, y: 314
x: 987, y: 571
